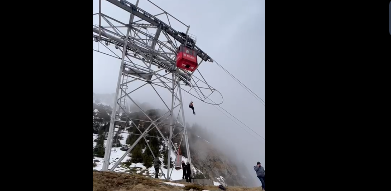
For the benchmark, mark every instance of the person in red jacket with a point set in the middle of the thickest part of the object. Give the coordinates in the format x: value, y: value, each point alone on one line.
x: 192, y: 107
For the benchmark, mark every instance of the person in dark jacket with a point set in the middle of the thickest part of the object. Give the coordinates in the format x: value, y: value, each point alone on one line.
x: 221, y: 187
x: 183, y: 169
x: 192, y: 107
x: 260, y: 174
x: 188, y: 172
x: 156, y: 165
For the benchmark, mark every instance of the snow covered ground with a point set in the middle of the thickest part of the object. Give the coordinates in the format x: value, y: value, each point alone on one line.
x: 221, y: 180
x: 116, y: 153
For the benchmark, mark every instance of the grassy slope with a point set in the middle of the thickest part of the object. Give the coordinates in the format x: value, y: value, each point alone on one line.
x: 110, y: 181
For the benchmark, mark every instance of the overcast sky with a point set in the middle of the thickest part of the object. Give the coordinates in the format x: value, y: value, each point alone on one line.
x: 233, y: 34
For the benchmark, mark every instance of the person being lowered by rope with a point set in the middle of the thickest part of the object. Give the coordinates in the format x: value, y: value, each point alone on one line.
x: 192, y: 107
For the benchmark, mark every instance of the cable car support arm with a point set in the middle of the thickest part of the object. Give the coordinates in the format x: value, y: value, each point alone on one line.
x: 179, y: 36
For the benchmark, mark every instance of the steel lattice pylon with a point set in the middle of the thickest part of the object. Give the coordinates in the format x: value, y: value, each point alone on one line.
x: 148, y: 48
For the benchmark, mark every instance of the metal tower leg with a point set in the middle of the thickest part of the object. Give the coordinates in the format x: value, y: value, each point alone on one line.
x: 106, y: 160
x: 185, y: 129
x: 171, y: 125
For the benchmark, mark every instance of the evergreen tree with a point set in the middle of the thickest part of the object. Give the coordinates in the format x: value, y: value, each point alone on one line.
x: 147, y: 160
x: 95, y: 127
x: 155, y: 145
x: 135, y: 122
x: 137, y: 155
x: 99, y: 150
x: 148, y: 155
x: 104, y: 113
x: 131, y: 139
x: 127, y: 163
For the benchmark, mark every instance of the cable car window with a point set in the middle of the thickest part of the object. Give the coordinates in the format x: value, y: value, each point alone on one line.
x: 185, y: 50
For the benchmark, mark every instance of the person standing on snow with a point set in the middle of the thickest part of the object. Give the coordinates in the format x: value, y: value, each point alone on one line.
x: 156, y: 165
x: 260, y: 174
x: 183, y: 169
x: 188, y: 172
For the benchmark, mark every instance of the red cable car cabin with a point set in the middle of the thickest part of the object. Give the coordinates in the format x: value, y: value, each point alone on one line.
x: 186, y: 59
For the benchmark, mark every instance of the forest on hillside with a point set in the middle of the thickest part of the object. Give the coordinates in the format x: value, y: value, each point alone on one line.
x: 135, y: 124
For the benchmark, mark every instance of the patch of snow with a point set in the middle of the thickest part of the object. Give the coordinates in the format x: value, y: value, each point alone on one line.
x: 116, y: 153
x: 94, y: 136
x: 174, y: 184
x: 221, y: 180
x: 216, y: 183
x: 138, y: 165
x: 124, y: 135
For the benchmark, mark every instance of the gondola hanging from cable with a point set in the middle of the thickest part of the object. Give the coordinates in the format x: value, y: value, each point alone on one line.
x: 186, y: 59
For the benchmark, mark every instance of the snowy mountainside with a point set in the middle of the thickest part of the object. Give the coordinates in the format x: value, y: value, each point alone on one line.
x: 116, y: 153
x: 207, y: 161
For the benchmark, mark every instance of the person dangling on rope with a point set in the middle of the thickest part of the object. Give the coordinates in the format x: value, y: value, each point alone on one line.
x: 192, y: 107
